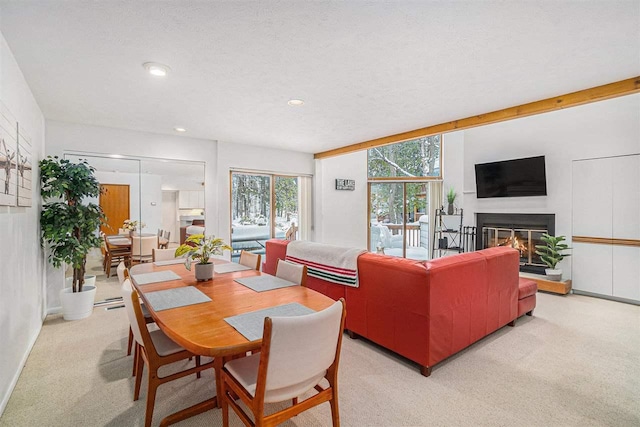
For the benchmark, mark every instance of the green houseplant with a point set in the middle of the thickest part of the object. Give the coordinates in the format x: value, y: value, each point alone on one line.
x: 69, y: 228
x: 451, y: 197
x: 551, y: 253
x: 200, y: 248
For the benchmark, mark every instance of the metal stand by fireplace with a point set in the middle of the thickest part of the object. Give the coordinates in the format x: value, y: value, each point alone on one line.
x: 520, y: 231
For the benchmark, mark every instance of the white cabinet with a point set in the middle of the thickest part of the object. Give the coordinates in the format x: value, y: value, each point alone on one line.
x: 592, y: 197
x: 606, y: 205
x: 191, y: 199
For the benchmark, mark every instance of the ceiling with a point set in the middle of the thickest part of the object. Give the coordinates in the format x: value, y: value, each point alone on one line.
x: 364, y: 69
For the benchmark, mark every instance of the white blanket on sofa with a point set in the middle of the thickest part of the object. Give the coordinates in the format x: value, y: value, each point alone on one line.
x: 331, y: 263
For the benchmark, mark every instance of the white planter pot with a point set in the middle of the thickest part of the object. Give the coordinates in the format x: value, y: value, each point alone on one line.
x: 553, y: 274
x: 204, y: 272
x: 78, y: 305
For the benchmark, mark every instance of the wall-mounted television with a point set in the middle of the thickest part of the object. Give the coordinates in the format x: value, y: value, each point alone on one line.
x: 511, y: 178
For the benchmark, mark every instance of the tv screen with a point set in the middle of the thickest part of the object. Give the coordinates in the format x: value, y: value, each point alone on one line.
x: 511, y: 178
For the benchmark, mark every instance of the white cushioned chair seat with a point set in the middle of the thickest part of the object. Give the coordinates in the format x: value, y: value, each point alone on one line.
x: 245, y: 370
x: 163, y: 344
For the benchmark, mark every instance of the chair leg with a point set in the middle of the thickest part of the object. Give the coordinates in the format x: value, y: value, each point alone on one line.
x: 151, y: 398
x: 139, y: 368
x: 135, y: 360
x: 335, y: 413
x: 222, y: 400
x: 130, y: 343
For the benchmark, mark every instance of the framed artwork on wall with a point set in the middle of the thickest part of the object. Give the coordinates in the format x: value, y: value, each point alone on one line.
x: 8, y: 158
x: 24, y: 166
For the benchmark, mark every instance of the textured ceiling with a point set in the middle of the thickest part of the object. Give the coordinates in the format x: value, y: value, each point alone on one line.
x: 364, y: 69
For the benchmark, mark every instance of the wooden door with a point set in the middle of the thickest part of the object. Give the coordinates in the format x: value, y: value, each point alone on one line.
x: 114, y: 201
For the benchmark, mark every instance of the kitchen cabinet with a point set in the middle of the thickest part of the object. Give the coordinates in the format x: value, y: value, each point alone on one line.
x: 188, y: 199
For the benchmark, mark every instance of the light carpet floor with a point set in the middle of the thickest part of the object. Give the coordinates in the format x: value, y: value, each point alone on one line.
x: 576, y: 362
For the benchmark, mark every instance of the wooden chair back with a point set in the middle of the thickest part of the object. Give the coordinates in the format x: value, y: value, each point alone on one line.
x: 249, y: 259
x: 296, y: 273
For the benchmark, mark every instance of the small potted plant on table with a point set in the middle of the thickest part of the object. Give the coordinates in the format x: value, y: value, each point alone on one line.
x: 200, y: 248
x: 551, y: 254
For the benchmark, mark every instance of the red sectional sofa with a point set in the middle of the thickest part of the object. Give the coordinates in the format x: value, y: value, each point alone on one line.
x: 425, y: 311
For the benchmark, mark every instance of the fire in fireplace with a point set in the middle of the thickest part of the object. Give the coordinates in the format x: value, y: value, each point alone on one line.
x: 520, y: 231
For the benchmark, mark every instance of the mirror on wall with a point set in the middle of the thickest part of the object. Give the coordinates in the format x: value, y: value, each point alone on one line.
x: 160, y: 197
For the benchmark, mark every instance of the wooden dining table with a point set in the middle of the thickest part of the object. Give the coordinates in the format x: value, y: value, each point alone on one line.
x: 201, y: 328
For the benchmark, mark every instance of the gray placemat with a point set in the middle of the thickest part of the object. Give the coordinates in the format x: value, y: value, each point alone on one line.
x: 251, y: 324
x: 265, y: 282
x: 156, y: 276
x: 170, y: 261
x: 230, y: 267
x: 177, y: 297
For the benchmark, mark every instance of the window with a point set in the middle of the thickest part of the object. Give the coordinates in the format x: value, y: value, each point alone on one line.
x: 416, y: 158
x: 402, y: 177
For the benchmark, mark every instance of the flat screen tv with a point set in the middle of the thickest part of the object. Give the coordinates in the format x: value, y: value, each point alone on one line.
x: 511, y: 178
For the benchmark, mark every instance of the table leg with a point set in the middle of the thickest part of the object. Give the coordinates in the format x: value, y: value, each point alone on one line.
x: 218, y: 363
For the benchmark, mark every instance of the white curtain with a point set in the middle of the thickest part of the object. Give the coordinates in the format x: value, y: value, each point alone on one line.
x: 304, y: 207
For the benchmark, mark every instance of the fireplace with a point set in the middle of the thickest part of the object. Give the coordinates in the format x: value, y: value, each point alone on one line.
x: 520, y: 231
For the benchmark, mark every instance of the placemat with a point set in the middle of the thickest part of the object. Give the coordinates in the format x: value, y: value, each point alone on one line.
x: 177, y: 297
x: 170, y: 261
x: 230, y: 267
x: 156, y: 276
x: 265, y: 282
x: 251, y: 324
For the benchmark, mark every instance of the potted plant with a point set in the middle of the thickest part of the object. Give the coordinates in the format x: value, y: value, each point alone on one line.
x: 199, y: 247
x: 451, y: 197
x: 69, y: 228
x: 551, y: 254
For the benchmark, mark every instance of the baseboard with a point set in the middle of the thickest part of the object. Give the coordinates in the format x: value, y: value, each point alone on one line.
x: 610, y: 298
x: 54, y: 310
x: 14, y: 381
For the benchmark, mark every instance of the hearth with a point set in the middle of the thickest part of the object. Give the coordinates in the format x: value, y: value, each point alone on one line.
x: 520, y: 231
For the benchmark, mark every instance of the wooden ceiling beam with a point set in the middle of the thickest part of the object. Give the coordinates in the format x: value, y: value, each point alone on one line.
x: 586, y: 96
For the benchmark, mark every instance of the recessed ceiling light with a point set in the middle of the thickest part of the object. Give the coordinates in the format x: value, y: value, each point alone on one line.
x: 295, y: 102
x: 156, y: 69
x: 179, y: 129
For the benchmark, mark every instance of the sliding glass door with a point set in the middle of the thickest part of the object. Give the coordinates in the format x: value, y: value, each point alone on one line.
x: 263, y: 206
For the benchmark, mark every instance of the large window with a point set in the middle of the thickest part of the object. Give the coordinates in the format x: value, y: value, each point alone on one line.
x: 401, y: 178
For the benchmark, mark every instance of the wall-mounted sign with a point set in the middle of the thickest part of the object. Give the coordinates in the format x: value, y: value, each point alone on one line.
x: 345, y: 184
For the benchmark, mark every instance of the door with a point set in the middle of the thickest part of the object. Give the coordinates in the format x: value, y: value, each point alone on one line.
x: 114, y: 201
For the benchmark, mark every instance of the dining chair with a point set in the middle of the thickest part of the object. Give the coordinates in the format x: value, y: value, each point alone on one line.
x: 114, y: 255
x: 249, y: 259
x: 297, y: 353
x: 142, y: 247
x: 155, y: 350
x: 296, y: 273
x: 163, y: 254
x: 123, y: 274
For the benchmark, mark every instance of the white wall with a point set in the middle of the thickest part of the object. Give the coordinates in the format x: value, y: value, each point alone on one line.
x: 249, y: 157
x: 607, y: 128
x: 453, y: 166
x: 341, y: 216
x: 22, y: 295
